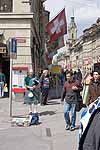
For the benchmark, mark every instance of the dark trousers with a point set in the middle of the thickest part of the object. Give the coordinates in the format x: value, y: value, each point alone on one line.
x: 45, y: 93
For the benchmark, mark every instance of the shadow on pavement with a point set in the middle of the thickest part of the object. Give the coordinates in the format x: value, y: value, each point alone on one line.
x: 50, y: 102
x: 47, y: 113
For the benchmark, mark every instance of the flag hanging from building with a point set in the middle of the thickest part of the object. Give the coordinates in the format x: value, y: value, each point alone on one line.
x: 55, y: 45
x: 51, y: 49
x: 57, y: 27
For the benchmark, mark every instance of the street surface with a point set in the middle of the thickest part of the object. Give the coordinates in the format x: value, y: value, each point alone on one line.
x: 50, y: 134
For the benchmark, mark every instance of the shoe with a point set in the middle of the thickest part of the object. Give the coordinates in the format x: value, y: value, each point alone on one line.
x: 67, y: 127
x: 72, y: 128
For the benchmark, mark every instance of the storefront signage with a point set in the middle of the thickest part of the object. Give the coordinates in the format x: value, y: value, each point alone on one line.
x: 21, y: 40
x: 56, y: 69
x: 2, y: 49
x: 13, y: 48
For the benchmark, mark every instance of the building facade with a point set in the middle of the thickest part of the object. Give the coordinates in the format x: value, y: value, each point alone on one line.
x: 86, y: 50
x: 21, y: 19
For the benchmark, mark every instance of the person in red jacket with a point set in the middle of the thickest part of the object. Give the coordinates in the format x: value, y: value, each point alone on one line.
x: 70, y: 95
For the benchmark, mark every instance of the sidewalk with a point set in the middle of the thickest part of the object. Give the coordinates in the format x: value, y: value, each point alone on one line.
x: 50, y: 133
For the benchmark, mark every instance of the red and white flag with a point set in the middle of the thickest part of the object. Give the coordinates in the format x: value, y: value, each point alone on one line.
x: 57, y: 27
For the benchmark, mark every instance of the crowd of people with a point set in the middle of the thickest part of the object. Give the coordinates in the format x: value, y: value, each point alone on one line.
x: 72, y: 92
x: 73, y: 83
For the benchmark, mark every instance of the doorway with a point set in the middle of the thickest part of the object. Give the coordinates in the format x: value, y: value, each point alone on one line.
x: 6, y: 71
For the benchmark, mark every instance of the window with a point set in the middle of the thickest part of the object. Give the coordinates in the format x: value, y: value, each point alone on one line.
x: 5, y: 6
x: 72, y: 36
x: 77, y: 57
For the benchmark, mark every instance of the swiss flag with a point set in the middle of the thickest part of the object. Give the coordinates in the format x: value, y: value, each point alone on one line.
x: 57, y: 27
x: 47, y: 56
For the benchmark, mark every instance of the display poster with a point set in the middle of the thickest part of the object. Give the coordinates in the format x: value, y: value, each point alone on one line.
x: 18, y: 78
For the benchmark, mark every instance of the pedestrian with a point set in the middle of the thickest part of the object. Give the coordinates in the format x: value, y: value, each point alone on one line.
x: 94, y: 87
x: 2, y: 83
x: 61, y: 76
x: 90, y: 136
x: 31, y: 96
x: 44, y: 84
x: 70, y: 93
x: 75, y: 75
x: 79, y: 75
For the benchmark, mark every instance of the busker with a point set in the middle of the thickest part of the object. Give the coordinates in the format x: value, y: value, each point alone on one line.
x: 71, y: 93
x: 31, y: 96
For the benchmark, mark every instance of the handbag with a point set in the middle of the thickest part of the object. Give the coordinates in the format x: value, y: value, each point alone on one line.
x: 30, y: 94
x: 85, y: 94
x: 5, y: 88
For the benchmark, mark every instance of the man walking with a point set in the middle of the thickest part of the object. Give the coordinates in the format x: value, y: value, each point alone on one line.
x: 71, y: 92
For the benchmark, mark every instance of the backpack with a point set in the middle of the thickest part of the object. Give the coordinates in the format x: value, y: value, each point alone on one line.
x: 34, y: 119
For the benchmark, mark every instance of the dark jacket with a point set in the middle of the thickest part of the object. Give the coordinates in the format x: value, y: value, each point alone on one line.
x: 91, y: 137
x: 94, y: 90
x: 70, y: 95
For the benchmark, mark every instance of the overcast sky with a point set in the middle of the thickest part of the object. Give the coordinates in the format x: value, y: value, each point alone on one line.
x: 86, y: 12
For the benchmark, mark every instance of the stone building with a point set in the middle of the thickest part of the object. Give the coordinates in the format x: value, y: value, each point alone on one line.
x: 72, y: 37
x: 83, y: 52
x: 86, y: 50
x: 22, y: 20
x: 72, y: 31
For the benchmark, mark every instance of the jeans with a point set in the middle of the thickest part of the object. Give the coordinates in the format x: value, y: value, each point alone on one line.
x: 67, y: 108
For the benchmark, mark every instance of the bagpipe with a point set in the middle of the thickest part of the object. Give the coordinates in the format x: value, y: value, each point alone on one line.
x: 35, y: 81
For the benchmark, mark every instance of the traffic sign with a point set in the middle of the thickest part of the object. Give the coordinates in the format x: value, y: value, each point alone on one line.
x: 12, y: 48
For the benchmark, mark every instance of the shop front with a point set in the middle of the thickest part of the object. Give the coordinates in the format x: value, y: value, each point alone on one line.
x: 4, y: 69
